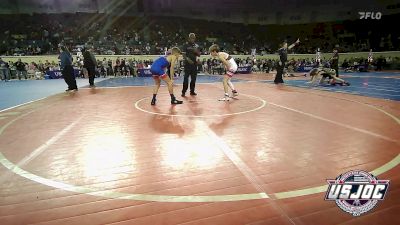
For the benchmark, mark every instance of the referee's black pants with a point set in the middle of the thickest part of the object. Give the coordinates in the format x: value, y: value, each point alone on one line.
x: 336, y: 67
x: 190, y: 70
x: 69, y: 77
x: 279, y: 74
x: 91, y: 73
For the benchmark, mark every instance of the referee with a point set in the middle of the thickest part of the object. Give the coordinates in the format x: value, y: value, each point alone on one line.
x: 191, y: 51
x: 282, y: 61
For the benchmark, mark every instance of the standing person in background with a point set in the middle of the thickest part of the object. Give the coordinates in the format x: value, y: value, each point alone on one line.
x: 335, y: 61
x: 253, y: 55
x: 20, y: 67
x: 79, y: 63
x: 122, y: 67
x: 4, y: 70
x: 318, y: 58
x: 191, y: 52
x: 66, y: 69
x: 110, y: 70
x: 103, y: 67
x: 89, y: 62
x: 282, y: 61
x: 370, y: 59
x: 370, y: 56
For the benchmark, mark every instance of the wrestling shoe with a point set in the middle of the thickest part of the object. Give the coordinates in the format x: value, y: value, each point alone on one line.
x: 235, y: 93
x: 176, y: 102
x: 225, y: 98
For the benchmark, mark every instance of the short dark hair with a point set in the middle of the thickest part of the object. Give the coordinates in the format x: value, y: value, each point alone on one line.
x: 64, y: 48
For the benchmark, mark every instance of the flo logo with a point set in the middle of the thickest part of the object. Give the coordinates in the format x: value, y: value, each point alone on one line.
x: 370, y: 15
x: 356, y: 192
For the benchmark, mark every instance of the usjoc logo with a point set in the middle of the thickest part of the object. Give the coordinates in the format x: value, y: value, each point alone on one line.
x: 147, y: 72
x: 242, y: 69
x: 356, y: 192
x: 370, y: 15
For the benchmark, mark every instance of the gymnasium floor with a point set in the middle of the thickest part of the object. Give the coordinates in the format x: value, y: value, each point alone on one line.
x: 105, y: 156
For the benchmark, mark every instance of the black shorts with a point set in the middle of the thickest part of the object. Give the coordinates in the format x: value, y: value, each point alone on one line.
x: 326, y: 75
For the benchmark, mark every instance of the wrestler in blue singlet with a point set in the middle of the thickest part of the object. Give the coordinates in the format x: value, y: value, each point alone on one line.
x: 159, y: 65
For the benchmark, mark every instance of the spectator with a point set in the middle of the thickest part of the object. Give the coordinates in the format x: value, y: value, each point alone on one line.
x: 20, y: 69
x: 4, y: 70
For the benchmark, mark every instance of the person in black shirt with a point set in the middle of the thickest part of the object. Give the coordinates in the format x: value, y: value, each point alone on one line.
x: 282, y: 60
x: 20, y: 67
x: 335, y: 61
x: 110, y: 70
x: 4, y: 69
x: 191, y: 51
x: 66, y: 68
x: 89, y: 62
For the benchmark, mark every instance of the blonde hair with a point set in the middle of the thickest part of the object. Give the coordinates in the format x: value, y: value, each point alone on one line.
x: 214, y: 48
x: 176, y: 50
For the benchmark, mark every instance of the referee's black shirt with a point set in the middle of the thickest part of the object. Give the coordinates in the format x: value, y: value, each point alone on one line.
x: 190, y: 50
x: 282, y: 55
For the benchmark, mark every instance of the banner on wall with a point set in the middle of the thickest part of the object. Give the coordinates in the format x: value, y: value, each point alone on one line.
x: 56, y: 74
x: 304, y: 68
x: 240, y: 70
x: 144, y: 73
x: 244, y: 69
